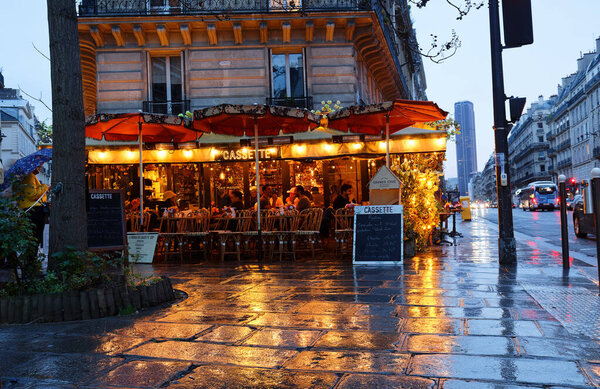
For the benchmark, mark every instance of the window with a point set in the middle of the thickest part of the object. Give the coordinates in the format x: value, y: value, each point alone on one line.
x: 540, y: 138
x: 540, y: 125
x: 287, y: 76
x: 542, y: 168
x: 166, y: 90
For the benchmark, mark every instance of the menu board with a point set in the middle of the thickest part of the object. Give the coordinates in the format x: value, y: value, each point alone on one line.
x: 378, y: 235
x: 106, y: 220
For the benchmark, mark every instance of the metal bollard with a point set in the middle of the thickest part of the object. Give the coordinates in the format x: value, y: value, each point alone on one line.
x: 595, y: 184
x: 564, y: 232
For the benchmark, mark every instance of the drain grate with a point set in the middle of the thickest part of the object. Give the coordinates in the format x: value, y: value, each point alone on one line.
x: 576, y: 308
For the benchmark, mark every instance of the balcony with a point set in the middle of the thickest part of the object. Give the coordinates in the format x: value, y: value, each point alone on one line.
x: 185, y: 7
x: 173, y: 107
x: 294, y: 102
x: 551, y: 151
x: 564, y: 163
x: 563, y: 145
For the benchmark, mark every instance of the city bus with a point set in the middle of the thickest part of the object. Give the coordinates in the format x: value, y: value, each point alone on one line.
x: 539, y: 195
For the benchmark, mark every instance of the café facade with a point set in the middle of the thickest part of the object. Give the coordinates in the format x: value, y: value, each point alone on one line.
x: 202, y: 172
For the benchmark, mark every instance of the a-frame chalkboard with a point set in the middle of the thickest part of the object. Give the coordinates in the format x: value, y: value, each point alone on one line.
x: 106, y: 224
x: 378, y: 235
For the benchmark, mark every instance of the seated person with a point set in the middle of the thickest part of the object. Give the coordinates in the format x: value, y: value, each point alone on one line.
x: 303, y: 202
x: 265, y: 198
x: 343, y: 198
x: 236, y: 200
x: 276, y: 201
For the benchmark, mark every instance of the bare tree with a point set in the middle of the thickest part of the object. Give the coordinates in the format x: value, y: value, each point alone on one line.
x: 68, y: 218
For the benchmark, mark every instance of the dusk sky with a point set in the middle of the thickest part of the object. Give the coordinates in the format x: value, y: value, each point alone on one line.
x: 561, y: 33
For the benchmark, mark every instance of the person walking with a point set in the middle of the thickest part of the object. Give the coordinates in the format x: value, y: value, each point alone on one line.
x: 30, y: 195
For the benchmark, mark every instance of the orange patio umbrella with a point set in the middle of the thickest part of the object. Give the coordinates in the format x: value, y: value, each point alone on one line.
x: 143, y: 127
x: 390, y: 116
x: 254, y: 120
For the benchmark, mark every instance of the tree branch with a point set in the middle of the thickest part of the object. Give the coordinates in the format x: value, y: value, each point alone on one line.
x: 35, y: 98
x: 38, y: 50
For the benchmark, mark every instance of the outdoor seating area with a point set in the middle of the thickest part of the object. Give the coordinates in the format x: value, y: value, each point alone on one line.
x: 284, y: 234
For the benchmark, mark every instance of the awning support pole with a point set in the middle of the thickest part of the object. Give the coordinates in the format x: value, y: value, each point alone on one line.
x: 387, y: 140
x: 141, y: 174
x: 259, y: 241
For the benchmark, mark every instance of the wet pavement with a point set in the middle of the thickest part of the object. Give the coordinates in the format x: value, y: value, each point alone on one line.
x: 449, y: 318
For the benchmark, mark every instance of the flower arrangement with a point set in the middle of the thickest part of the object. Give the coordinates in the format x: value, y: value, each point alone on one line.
x: 350, y: 206
x: 229, y: 211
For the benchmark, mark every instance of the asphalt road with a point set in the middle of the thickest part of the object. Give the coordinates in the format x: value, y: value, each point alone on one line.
x: 544, y: 226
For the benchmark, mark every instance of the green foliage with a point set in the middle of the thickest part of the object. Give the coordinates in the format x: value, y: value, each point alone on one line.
x: 419, y: 174
x: 44, y: 132
x: 79, y: 270
x: 18, y: 246
x: 128, y: 310
x: 449, y: 125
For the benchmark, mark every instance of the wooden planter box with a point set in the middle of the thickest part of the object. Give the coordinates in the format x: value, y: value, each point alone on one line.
x: 85, y: 304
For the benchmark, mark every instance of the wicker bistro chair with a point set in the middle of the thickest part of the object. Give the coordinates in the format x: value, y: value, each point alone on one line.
x: 268, y: 234
x: 308, y: 235
x: 230, y: 240
x: 287, y: 233
x: 171, y: 240
x: 196, y: 232
x: 343, y: 231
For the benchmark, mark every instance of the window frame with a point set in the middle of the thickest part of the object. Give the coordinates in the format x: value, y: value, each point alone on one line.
x: 167, y: 55
x: 288, y: 86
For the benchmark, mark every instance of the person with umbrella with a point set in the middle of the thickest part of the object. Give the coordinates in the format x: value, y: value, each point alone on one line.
x: 27, y: 191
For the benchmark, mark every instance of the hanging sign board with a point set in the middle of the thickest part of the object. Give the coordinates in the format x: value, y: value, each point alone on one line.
x: 141, y: 246
x: 378, y: 235
x: 247, y: 154
x: 106, y: 220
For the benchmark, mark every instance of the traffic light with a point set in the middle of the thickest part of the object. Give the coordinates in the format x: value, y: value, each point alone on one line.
x: 518, y: 26
x: 516, y: 105
x: 573, y: 181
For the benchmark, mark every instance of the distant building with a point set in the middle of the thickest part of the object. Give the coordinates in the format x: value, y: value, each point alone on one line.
x: 528, y: 147
x: 466, y: 149
x: 18, y: 125
x: 574, y: 122
x: 484, y: 183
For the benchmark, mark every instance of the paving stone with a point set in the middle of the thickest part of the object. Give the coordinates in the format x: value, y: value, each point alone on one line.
x: 141, y: 374
x: 226, y: 334
x: 362, y: 340
x: 503, y: 327
x: 282, y: 338
x: 385, y: 381
x: 215, y: 353
x: 61, y: 367
x: 225, y: 377
x: 461, y: 384
x: 560, y: 348
x: 517, y: 370
x: 326, y: 322
x: 215, y: 317
x: 148, y: 329
x: 324, y: 307
x: 432, y: 325
x: 474, y: 345
x: 350, y: 361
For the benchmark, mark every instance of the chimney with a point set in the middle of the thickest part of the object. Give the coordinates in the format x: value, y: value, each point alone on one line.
x: 1, y: 80
x: 598, y: 45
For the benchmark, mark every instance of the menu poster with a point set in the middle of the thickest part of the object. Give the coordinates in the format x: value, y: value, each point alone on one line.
x: 106, y: 224
x: 378, y: 235
x: 141, y: 246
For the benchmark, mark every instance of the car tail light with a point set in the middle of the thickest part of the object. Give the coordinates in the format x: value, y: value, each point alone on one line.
x: 556, y: 201
x: 534, y: 201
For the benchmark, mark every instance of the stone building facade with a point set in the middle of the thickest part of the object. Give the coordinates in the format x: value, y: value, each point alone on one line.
x: 174, y: 56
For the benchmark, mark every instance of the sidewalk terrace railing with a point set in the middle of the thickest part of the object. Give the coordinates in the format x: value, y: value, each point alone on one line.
x: 294, y: 102
x: 174, y: 107
x: 563, y: 145
x: 189, y: 7
x: 563, y: 163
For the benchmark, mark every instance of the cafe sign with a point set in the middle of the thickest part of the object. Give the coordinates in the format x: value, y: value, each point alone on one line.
x: 248, y: 154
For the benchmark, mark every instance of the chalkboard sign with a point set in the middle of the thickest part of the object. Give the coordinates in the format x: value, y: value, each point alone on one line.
x: 378, y: 235
x: 106, y: 220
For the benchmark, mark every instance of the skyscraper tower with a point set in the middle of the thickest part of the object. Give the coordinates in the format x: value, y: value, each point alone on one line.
x: 466, y: 149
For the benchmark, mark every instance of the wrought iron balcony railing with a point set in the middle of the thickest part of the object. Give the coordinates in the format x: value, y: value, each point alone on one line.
x: 194, y: 7
x: 174, y: 107
x: 294, y: 102
x: 563, y: 163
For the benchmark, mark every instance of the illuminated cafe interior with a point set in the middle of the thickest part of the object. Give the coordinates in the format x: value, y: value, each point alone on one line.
x: 201, y: 172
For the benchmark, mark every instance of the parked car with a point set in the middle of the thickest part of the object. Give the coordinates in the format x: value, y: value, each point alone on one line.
x: 571, y: 201
x: 583, y: 223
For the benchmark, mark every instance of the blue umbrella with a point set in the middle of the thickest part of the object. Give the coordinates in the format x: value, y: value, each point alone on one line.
x: 26, y: 165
